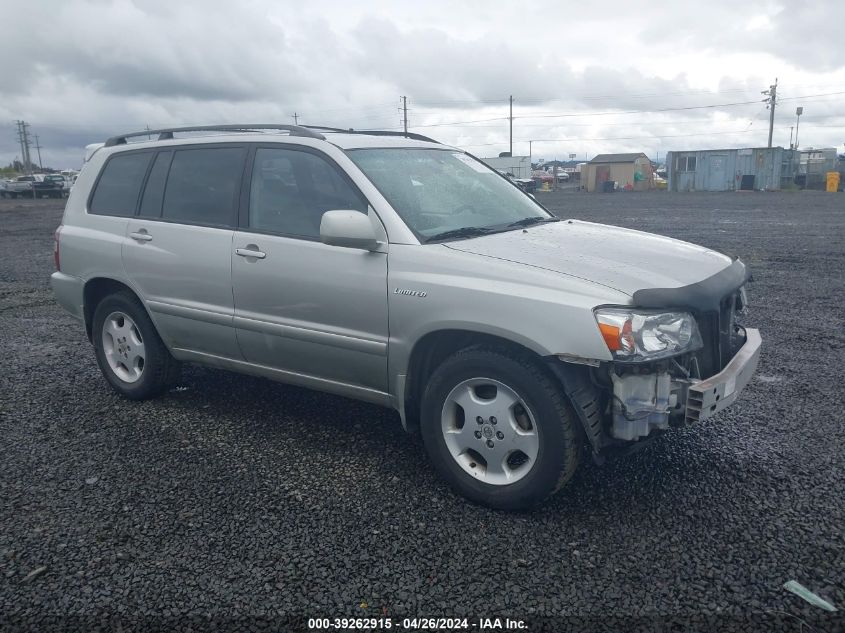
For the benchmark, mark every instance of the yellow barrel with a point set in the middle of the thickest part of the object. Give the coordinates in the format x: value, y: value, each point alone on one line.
x: 833, y: 181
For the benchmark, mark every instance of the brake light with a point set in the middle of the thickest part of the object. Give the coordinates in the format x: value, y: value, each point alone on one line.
x: 56, y: 236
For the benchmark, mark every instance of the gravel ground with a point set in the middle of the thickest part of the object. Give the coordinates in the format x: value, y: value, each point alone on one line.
x: 237, y: 497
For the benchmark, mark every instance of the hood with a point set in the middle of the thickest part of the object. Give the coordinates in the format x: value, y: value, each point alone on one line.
x: 618, y: 258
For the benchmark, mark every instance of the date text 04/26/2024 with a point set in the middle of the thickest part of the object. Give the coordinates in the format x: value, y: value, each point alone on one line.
x: 417, y: 624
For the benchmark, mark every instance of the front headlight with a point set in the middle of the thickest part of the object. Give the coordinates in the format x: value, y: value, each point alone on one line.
x: 641, y: 335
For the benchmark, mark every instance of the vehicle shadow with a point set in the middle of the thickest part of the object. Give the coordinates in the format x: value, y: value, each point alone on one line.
x: 681, y: 463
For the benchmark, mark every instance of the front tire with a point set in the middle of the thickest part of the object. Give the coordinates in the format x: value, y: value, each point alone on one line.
x: 499, y: 428
x: 129, y: 351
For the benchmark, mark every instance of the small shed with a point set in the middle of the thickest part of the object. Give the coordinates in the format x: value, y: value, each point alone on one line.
x: 748, y: 169
x: 628, y: 171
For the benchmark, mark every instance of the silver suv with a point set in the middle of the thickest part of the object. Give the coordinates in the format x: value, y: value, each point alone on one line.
x: 393, y: 269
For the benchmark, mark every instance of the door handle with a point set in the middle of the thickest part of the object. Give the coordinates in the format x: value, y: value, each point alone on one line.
x: 250, y: 251
x: 141, y: 236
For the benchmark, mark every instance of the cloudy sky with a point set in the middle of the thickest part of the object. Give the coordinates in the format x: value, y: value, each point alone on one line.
x: 630, y: 76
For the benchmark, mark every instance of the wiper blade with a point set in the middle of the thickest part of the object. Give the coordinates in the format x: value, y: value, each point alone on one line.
x: 537, y: 219
x: 465, y: 231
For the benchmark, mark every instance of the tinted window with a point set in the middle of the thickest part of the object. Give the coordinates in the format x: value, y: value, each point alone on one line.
x: 202, y: 185
x: 119, y: 184
x: 291, y: 190
x: 154, y: 191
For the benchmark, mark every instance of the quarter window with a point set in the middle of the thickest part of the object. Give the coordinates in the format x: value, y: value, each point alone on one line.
x: 202, y: 186
x: 119, y: 185
x: 291, y: 190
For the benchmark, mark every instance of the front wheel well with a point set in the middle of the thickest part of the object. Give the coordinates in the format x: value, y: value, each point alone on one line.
x: 95, y: 291
x: 435, y: 347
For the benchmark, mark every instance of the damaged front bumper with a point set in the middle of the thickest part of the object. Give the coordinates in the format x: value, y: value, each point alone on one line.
x: 647, y: 401
x: 708, y: 397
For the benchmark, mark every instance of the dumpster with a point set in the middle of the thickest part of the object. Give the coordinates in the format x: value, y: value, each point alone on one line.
x: 832, y: 181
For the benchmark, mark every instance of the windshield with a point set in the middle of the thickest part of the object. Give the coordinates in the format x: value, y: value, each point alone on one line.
x: 444, y: 194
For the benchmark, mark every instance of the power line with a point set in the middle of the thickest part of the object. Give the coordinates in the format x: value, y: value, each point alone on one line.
x: 619, y: 112
x: 608, y: 138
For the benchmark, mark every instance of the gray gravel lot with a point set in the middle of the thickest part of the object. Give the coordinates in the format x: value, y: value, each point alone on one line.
x: 235, y: 496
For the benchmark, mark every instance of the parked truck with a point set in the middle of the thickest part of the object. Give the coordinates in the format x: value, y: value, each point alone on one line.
x: 36, y: 186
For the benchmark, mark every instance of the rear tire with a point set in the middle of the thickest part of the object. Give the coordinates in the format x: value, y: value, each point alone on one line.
x: 129, y: 351
x: 526, y: 446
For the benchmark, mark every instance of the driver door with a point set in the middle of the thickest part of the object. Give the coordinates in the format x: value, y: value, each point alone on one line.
x: 314, y: 311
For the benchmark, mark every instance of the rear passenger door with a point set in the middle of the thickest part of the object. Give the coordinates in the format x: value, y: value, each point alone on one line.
x: 315, y: 311
x: 177, y: 249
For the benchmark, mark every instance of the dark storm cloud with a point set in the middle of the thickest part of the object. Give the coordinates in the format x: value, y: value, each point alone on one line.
x: 81, y: 71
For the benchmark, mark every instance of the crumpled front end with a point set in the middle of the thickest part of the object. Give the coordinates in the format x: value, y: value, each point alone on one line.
x: 639, y: 396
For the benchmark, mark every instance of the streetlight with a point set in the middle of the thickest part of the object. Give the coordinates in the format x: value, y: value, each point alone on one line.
x: 798, y: 112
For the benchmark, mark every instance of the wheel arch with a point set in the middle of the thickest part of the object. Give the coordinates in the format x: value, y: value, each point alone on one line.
x: 431, y: 349
x: 98, y: 288
x: 574, y: 380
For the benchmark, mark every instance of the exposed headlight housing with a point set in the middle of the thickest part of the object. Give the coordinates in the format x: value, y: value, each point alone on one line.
x: 642, y: 335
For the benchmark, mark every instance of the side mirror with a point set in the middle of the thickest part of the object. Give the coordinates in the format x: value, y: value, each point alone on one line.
x: 351, y: 229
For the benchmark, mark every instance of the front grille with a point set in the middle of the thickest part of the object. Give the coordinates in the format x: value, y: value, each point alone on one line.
x: 709, y: 358
x: 718, y: 333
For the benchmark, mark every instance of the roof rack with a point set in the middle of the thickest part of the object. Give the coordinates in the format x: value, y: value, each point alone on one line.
x: 412, y: 135
x: 167, y: 133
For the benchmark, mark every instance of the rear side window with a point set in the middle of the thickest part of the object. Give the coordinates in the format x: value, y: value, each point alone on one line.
x: 118, y: 187
x: 154, y: 191
x: 202, y: 186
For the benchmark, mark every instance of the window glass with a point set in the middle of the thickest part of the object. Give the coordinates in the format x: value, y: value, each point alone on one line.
x: 291, y: 190
x: 437, y: 191
x: 119, y: 184
x: 691, y: 163
x: 202, y: 186
x: 154, y: 191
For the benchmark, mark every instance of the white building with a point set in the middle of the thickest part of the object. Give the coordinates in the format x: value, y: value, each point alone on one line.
x: 519, y: 166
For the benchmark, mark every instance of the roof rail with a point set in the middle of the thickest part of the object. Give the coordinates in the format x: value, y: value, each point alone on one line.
x: 167, y: 133
x: 412, y: 135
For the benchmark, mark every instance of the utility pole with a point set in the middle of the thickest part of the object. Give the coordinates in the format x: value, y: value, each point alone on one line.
x: 510, y: 121
x: 772, y: 93
x: 23, y: 137
x: 148, y: 129
x: 38, y: 147
x: 20, y: 139
x: 26, y: 144
x: 405, y: 114
x: 295, y: 118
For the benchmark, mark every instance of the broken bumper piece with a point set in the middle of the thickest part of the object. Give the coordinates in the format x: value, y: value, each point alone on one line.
x: 706, y: 398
